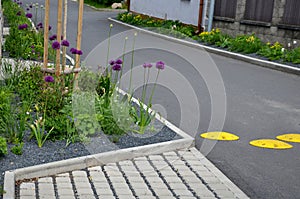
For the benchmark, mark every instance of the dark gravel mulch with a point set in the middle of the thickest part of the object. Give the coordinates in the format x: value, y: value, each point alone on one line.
x: 56, y: 151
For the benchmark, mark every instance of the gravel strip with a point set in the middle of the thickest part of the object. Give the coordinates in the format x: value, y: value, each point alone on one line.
x: 56, y: 151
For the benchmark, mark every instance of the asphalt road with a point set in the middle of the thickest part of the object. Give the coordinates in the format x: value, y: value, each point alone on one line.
x: 253, y: 102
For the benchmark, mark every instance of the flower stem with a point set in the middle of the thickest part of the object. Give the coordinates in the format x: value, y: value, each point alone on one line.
x: 123, y: 59
x: 152, y: 92
x: 108, y: 47
x: 132, y: 60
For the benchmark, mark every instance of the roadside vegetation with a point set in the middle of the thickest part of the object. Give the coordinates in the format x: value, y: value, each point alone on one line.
x: 245, y: 44
x: 101, y: 3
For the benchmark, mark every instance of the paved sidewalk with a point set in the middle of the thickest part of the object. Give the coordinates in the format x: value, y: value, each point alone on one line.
x: 177, y: 174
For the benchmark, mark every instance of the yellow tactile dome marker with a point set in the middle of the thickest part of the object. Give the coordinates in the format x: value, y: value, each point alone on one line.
x: 222, y: 136
x: 289, y: 137
x: 271, y: 144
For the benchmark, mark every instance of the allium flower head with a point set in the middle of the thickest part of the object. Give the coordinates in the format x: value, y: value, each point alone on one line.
x: 53, y: 37
x: 147, y: 65
x: 40, y: 25
x: 65, y: 43
x: 23, y: 26
x: 49, y: 79
x: 19, y: 13
x: 117, y: 67
x: 30, y: 6
x: 119, y: 61
x: 50, y: 27
x: 29, y: 15
x: 111, y: 62
x: 73, y: 50
x: 160, y: 65
x: 56, y: 45
x: 79, y: 52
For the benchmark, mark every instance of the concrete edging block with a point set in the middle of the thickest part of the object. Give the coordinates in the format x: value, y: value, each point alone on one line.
x: 63, y: 166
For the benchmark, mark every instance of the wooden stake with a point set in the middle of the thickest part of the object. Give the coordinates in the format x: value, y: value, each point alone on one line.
x: 65, y: 34
x: 59, y: 27
x: 46, y: 33
x: 79, y: 33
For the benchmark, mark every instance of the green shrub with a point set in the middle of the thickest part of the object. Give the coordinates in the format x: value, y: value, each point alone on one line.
x: 272, y: 52
x: 293, y: 56
x: 22, y: 43
x: 109, y: 2
x: 3, y: 146
x: 245, y: 44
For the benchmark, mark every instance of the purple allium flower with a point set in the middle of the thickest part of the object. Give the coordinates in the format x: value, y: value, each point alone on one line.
x: 49, y: 79
x: 32, y: 46
x: 111, y: 62
x: 19, y: 13
x: 50, y: 28
x: 119, y: 61
x: 56, y: 45
x: 53, y: 37
x: 160, y: 65
x: 73, y: 51
x: 117, y: 67
x: 40, y: 25
x: 30, y: 6
x: 23, y: 26
x: 65, y: 43
x: 29, y: 15
x: 79, y: 52
x: 27, y: 9
x: 147, y: 65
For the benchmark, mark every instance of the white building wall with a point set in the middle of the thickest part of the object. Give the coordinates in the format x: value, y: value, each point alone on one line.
x: 186, y: 11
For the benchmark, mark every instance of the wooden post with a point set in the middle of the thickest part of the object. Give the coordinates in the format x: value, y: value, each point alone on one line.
x: 128, y: 5
x: 46, y: 33
x: 200, y: 29
x: 59, y: 27
x: 65, y: 34
x: 79, y: 32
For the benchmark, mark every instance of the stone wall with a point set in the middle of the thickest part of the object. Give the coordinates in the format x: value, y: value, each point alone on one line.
x: 268, y: 32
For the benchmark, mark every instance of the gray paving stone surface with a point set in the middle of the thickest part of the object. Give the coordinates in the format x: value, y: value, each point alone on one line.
x: 176, y: 174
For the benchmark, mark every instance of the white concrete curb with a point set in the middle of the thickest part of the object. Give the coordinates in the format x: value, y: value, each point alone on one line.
x: 63, y: 166
x: 264, y: 63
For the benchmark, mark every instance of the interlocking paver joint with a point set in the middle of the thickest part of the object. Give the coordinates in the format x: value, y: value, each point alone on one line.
x: 174, y: 174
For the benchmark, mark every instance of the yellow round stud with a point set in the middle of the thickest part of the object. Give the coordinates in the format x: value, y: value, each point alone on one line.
x: 271, y: 144
x: 289, y: 137
x: 223, y: 136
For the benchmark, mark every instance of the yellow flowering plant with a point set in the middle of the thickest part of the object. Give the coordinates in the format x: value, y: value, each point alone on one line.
x: 245, y: 44
x: 272, y: 52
